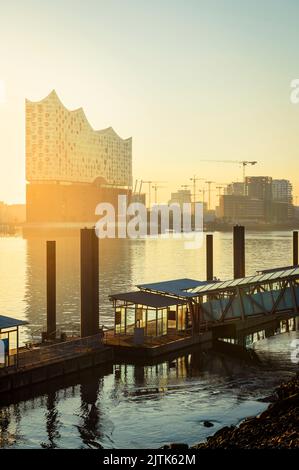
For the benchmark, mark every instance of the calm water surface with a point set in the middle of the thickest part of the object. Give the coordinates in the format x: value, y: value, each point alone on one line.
x: 134, y: 406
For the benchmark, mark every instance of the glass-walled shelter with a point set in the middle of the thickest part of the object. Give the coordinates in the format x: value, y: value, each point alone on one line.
x: 9, y: 341
x: 156, y: 314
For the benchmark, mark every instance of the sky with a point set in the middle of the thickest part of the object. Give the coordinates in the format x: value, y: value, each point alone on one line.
x: 189, y: 80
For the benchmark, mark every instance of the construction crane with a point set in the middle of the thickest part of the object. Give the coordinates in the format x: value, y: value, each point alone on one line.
x: 156, y: 187
x: 203, y: 191
x: 194, y: 180
x: 149, y: 189
x: 135, y: 187
x: 244, y: 163
x: 140, y: 187
x: 209, y: 192
x: 186, y: 186
x: 220, y: 187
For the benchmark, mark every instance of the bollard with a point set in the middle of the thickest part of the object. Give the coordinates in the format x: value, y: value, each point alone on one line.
x: 209, y: 257
x: 89, y: 248
x: 295, y: 248
x: 51, y: 289
x: 239, y: 251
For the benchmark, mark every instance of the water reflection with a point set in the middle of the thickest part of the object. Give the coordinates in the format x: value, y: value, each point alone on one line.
x: 115, y: 271
x: 52, y: 421
x: 90, y: 415
x: 136, y: 406
x: 123, y: 264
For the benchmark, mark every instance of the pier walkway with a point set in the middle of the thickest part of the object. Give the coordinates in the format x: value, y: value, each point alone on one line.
x: 264, y: 295
x: 44, y: 362
x: 210, y: 304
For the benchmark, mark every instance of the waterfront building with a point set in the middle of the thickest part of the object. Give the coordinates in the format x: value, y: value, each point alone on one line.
x: 235, y: 208
x: 12, y: 213
x: 182, y: 196
x: 235, y: 189
x: 282, y: 190
x: 259, y: 187
x: 282, y: 193
x: 70, y: 167
x: 266, y: 200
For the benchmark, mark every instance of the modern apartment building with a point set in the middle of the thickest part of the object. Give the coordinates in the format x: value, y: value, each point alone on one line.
x: 282, y: 190
x: 265, y: 200
x: 282, y: 194
x: 259, y: 187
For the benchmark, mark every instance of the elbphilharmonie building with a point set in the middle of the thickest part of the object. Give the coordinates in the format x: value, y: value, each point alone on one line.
x: 70, y: 167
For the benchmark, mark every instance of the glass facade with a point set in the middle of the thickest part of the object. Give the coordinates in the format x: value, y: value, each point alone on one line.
x: 156, y: 322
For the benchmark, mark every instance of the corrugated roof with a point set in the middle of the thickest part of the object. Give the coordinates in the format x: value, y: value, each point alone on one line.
x: 8, y: 322
x: 174, y: 287
x: 148, y: 299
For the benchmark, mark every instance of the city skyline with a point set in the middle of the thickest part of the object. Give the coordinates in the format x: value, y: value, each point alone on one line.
x: 206, y: 96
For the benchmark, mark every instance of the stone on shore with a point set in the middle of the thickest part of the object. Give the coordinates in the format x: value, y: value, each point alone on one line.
x: 276, y: 427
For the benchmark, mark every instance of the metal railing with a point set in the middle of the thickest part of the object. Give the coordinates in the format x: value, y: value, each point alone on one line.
x: 53, y: 352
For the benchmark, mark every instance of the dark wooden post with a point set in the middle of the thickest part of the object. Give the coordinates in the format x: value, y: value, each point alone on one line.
x: 295, y: 248
x: 239, y: 251
x: 236, y: 251
x: 51, y: 289
x: 89, y: 282
x: 209, y: 257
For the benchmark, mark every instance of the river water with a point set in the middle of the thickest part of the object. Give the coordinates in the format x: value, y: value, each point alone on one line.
x: 128, y: 406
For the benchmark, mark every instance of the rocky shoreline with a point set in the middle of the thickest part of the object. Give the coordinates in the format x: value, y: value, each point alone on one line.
x: 276, y: 427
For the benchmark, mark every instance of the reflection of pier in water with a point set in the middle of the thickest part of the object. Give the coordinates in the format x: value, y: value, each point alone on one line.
x: 248, y: 338
x: 195, y: 370
x: 93, y: 422
x: 199, y: 360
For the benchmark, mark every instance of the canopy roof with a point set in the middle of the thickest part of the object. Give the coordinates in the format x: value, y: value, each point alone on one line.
x: 271, y: 276
x: 148, y: 299
x: 176, y: 287
x: 178, y: 291
x: 8, y: 322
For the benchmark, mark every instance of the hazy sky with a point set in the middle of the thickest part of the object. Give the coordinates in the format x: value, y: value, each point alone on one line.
x: 187, y: 79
